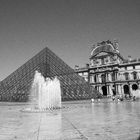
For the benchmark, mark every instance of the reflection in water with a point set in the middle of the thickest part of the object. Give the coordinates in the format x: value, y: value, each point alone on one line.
x: 41, y: 126
x: 50, y: 126
x: 102, y: 120
x: 114, y: 111
x: 116, y: 120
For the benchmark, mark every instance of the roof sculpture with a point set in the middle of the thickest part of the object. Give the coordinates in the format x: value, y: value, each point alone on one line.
x: 106, y: 46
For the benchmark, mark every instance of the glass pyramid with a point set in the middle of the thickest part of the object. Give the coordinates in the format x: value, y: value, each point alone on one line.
x: 16, y: 87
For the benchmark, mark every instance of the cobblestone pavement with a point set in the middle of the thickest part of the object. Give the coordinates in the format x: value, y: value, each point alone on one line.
x: 76, y: 120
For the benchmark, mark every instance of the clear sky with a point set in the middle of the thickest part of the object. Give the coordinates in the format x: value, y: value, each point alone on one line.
x: 68, y: 27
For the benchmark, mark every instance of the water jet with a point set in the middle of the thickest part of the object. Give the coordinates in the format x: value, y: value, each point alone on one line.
x: 45, y: 94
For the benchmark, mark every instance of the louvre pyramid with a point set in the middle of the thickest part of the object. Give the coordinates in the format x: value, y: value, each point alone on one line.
x: 16, y: 87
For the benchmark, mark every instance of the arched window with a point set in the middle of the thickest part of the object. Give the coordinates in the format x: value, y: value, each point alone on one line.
x: 126, y: 89
x: 134, y: 86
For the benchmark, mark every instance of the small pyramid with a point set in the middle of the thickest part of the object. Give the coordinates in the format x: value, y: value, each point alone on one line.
x: 16, y: 87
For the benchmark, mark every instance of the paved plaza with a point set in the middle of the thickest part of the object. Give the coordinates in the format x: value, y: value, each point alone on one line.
x: 77, y: 120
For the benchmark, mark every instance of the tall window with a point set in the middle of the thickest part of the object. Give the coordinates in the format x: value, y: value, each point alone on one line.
x: 134, y: 75
x: 102, y: 61
x: 92, y: 79
x: 113, y: 76
x: 126, y: 76
x: 95, y: 79
x: 96, y: 87
x: 103, y: 77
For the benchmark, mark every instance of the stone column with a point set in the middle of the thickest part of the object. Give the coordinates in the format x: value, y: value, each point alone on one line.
x: 97, y: 88
x: 116, y: 88
x: 115, y: 76
x: 118, y: 76
x: 122, y: 90
x: 119, y: 89
x: 99, y: 78
x: 106, y: 77
x: 100, y: 90
x: 92, y: 79
x: 131, y: 90
x: 110, y: 90
x: 139, y: 86
x: 108, y: 59
x: 138, y: 75
x: 138, y: 90
x: 107, y: 89
x: 109, y: 77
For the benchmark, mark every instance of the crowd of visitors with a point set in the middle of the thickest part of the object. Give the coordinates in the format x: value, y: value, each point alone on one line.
x: 117, y: 98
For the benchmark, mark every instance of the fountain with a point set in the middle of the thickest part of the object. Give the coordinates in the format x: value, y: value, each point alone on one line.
x: 45, y: 94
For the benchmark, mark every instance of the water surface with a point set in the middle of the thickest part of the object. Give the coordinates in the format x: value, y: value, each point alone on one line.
x: 103, y: 120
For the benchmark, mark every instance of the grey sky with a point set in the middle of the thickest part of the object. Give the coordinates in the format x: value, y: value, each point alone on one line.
x: 67, y: 27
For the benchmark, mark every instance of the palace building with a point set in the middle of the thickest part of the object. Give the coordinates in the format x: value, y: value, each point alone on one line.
x: 109, y: 72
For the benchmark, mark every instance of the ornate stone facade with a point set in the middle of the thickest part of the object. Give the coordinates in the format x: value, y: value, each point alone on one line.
x: 109, y: 73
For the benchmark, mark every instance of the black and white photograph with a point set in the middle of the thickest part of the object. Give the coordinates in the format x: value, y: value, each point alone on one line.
x: 69, y: 69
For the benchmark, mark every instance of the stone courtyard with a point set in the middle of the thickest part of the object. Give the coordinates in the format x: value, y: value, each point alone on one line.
x: 104, y: 120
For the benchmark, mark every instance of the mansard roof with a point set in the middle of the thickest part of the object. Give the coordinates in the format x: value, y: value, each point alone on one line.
x: 105, y: 46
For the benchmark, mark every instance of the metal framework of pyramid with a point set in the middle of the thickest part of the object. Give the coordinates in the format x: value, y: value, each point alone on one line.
x: 16, y: 87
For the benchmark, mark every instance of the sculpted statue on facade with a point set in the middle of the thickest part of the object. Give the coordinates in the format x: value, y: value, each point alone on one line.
x: 138, y: 75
